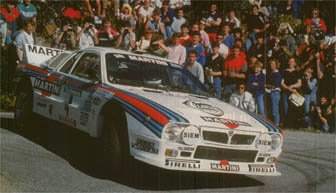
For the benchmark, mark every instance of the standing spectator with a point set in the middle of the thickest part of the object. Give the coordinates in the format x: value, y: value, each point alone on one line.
x: 316, y: 22
x: 280, y: 54
x: 234, y: 72
x: 10, y: 14
x: 107, y: 35
x: 27, y: 11
x: 92, y: 10
x: 178, y: 21
x: 167, y: 17
x: 223, y: 49
x: 197, y: 46
x: 259, y: 49
x: 126, y: 38
x: 176, y: 52
x: 242, y: 99
x: 291, y: 83
x: 215, y: 69
x: 256, y: 23
x: 309, y: 89
x: 273, y: 87
x: 228, y: 37
x: 64, y: 38
x: 232, y: 19
x: 87, y: 36
x: 156, y: 25
x: 185, y: 37
x: 23, y: 38
x: 193, y: 66
x: 213, y: 21
x: 256, y: 85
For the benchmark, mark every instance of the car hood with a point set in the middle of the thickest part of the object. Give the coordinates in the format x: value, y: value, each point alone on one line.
x: 201, y: 110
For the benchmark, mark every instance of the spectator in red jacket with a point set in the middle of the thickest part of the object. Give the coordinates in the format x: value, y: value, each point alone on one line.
x: 316, y: 22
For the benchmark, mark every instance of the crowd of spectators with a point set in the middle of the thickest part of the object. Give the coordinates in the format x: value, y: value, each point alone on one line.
x: 249, y: 60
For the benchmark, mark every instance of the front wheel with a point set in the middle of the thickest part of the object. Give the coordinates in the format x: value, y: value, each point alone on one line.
x: 23, y: 114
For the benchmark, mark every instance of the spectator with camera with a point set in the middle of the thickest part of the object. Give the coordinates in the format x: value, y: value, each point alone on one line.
x: 87, y: 36
x: 126, y: 39
x: 64, y: 38
x: 107, y: 35
x: 315, y: 22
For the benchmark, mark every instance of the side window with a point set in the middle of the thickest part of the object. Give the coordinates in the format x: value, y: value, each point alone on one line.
x: 88, y: 67
x: 69, y: 64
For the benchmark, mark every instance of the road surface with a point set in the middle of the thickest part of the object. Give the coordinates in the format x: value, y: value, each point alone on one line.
x: 60, y: 160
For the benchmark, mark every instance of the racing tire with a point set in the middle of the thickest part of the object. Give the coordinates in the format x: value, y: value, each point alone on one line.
x: 115, y: 145
x: 23, y: 114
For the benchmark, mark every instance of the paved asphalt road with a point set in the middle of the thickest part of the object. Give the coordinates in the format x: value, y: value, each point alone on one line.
x: 60, y: 160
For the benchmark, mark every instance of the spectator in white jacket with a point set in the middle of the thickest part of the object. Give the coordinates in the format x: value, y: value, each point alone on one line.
x: 243, y: 99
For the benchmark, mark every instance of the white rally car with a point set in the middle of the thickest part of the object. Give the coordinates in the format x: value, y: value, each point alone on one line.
x: 147, y: 108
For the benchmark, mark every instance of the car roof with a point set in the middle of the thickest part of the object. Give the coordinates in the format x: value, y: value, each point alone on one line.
x: 118, y: 51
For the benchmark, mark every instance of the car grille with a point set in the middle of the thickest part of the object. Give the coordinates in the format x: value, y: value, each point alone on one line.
x: 223, y: 137
x: 213, y: 153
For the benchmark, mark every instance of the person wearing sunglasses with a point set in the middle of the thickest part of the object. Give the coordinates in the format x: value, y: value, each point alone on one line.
x: 243, y: 99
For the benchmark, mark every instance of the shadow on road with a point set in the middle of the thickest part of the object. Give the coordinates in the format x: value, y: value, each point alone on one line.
x: 80, y: 151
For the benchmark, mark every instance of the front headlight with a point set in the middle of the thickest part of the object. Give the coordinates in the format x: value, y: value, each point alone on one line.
x: 172, y: 132
x: 190, y: 135
x: 264, y: 142
x: 276, y: 141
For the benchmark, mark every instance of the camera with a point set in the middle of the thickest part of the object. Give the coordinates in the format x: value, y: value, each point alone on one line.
x: 126, y: 31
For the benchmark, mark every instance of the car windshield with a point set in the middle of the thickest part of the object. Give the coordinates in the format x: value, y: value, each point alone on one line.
x: 143, y: 71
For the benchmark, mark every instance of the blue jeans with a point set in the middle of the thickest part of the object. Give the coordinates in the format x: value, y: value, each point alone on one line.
x: 217, y: 84
x: 309, y: 98
x: 260, y: 104
x: 169, y: 32
x: 275, y: 98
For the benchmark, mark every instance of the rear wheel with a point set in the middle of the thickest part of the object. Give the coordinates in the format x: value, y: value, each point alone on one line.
x: 23, y: 114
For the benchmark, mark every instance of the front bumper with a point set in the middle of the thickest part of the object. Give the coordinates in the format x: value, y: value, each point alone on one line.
x: 212, y: 155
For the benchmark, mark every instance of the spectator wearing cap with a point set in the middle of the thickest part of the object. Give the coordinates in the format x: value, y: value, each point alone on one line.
x: 316, y: 22
x: 155, y: 24
x: 232, y: 19
x: 197, y: 47
x: 228, y: 38
x: 242, y: 98
x: 23, y: 38
x: 215, y: 67
x: 178, y: 21
x: 107, y: 35
x: 176, y: 52
x: 126, y: 39
x: 273, y: 87
x: 193, y: 66
x: 167, y: 17
x: 10, y: 14
x: 64, y: 38
x: 256, y: 86
x: 234, y: 72
x: 27, y: 11
x: 87, y: 37
x: 213, y: 21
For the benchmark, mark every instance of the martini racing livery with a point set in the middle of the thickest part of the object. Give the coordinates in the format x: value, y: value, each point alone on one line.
x: 147, y: 108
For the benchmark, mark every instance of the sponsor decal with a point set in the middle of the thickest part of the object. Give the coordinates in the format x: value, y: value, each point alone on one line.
x: 67, y: 120
x: 261, y: 168
x: 145, y: 146
x: 224, y: 166
x: 264, y: 154
x: 180, y: 163
x: 147, y: 60
x: 264, y: 142
x: 84, y: 118
x: 232, y: 124
x: 190, y: 135
x: 38, y: 54
x: 205, y: 108
x: 47, y: 86
x: 186, y: 148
